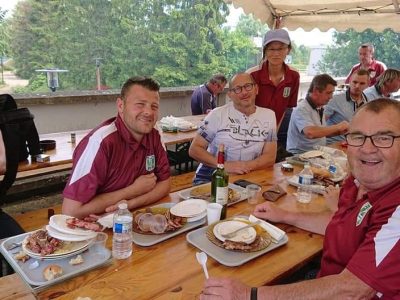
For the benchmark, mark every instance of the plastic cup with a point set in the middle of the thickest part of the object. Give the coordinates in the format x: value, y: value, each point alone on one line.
x: 253, y: 191
x: 213, y: 212
x: 99, y: 243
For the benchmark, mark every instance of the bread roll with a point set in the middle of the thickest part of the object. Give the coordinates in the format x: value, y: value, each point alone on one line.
x: 52, y: 271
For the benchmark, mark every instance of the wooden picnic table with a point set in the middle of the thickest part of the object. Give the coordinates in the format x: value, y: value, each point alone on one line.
x: 169, y: 270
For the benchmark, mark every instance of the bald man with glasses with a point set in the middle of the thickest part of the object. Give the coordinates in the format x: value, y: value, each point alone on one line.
x: 361, y: 254
x: 247, y: 131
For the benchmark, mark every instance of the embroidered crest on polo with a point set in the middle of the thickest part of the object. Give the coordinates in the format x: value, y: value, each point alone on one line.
x: 363, y: 211
x: 150, y: 163
x: 286, y: 91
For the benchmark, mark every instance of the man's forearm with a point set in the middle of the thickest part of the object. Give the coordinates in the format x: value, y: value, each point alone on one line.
x: 161, y: 190
x: 314, y: 222
x: 341, y: 286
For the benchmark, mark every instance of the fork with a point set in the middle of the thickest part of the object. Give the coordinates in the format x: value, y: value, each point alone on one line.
x: 13, y: 246
x: 233, y: 233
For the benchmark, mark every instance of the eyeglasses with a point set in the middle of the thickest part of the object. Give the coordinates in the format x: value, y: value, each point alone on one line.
x: 271, y: 50
x: 378, y: 140
x: 238, y: 89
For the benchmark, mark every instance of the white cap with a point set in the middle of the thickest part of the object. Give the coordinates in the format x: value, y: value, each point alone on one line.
x: 123, y: 205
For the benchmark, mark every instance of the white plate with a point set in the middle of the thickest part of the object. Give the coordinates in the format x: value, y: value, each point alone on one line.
x: 185, y: 194
x: 68, y: 237
x: 72, y: 249
x: 196, y: 218
x: 189, y: 208
x: 59, y: 222
x: 246, y: 235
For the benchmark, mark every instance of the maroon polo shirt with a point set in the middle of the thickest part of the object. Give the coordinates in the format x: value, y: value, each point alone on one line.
x: 376, y: 68
x: 363, y: 236
x: 109, y: 158
x: 279, y: 97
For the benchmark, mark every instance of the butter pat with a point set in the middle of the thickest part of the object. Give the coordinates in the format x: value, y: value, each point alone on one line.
x: 42, y: 158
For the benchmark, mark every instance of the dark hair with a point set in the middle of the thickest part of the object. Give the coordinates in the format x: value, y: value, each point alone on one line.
x: 380, y: 104
x: 362, y: 72
x: 218, y: 78
x: 145, y: 82
x: 369, y: 46
x: 320, y: 82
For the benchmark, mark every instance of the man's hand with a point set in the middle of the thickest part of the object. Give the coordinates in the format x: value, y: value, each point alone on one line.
x: 236, y: 167
x: 113, y: 207
x: 342, y: 127
x: 331, y: 195
x: 143, y: 184
x: 225, y: 289
x: 269, y: 211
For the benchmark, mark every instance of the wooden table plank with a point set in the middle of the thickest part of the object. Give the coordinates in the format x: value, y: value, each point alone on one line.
x: 12, y: 288
x: 169, y: 270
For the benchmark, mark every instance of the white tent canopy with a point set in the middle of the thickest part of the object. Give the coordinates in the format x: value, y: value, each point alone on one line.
x: 324, y: 14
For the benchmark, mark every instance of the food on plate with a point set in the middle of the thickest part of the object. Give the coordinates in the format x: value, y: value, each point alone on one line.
x: 204, y: 192
x: 89, y: 224
x: 311, y: 154
x: 22, y: 256
x: 52, y: 271
x: 76, y: 261
x: 320, y: 172
x: 41, y: 243
x: 248, y: 240
x: 156, y: 220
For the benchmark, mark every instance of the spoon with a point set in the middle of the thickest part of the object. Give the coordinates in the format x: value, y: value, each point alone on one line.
x: 202, y: 259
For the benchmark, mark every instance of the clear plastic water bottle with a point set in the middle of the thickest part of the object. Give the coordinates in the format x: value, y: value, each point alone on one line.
x: 122, y: 229
x: 304, y: 192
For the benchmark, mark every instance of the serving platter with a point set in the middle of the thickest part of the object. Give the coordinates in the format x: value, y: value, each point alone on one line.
x: 34, y: 276
x: 239, y: 191
x: 147, y: 240
x: 199, y: 239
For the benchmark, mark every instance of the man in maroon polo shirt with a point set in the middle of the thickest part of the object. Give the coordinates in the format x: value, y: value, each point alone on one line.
x: 361, y: 254
x: 367, y: 62
x: 121, y: 159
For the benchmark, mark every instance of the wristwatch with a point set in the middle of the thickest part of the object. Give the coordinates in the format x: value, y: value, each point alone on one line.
x: 253, y: 294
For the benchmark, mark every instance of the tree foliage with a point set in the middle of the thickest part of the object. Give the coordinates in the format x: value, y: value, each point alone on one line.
x: 178, y: 42
x: 343, y: 54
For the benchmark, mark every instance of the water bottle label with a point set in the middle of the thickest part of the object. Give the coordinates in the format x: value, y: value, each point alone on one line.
x: 221, y: 196
x: 305, y: 180
x: 122, y: 228
x: 332, y: 169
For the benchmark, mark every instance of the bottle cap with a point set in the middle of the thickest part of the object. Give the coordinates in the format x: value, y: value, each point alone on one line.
x: 123, y: 205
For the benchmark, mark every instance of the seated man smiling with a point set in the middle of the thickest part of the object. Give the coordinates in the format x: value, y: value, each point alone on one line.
x: 247, y: 131
x: 122, y: 159
x: 361, y: 253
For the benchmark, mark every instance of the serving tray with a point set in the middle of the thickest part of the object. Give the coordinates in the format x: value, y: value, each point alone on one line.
x: 152, y: 239
x: 198, y: 238
x: 34, y: 277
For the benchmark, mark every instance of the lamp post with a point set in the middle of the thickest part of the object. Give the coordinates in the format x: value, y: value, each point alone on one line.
x: 98, y: 76
x: 52, y: 77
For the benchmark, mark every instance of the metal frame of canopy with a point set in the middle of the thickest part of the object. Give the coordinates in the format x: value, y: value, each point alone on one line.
x: 324, y: 14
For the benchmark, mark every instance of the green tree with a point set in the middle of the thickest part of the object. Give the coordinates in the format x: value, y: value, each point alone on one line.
x: 4, y: 40
x: 343, y: 54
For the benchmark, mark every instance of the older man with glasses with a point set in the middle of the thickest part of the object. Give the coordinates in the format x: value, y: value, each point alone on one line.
x: 247, y: 131
x: 361, y: 254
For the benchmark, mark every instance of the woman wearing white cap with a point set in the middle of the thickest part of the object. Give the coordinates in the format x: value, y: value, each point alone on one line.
x: 278, y: 84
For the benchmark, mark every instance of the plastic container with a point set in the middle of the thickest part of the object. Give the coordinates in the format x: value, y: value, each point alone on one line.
x: 122, y: 233
x: 304, y: 191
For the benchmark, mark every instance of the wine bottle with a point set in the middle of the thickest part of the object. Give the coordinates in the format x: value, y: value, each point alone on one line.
x: 219, y: 183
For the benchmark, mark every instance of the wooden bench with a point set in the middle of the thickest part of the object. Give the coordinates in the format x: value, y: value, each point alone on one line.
x: 36, y: 218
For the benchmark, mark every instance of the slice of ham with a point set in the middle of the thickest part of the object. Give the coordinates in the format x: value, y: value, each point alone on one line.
x: 77, y: 223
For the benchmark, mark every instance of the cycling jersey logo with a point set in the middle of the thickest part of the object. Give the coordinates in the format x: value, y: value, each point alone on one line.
x: 363, y: 211
x: 286, y: 91
x: 150, y: 163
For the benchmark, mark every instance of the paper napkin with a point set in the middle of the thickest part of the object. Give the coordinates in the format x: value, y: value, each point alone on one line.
x: 275, y: 232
